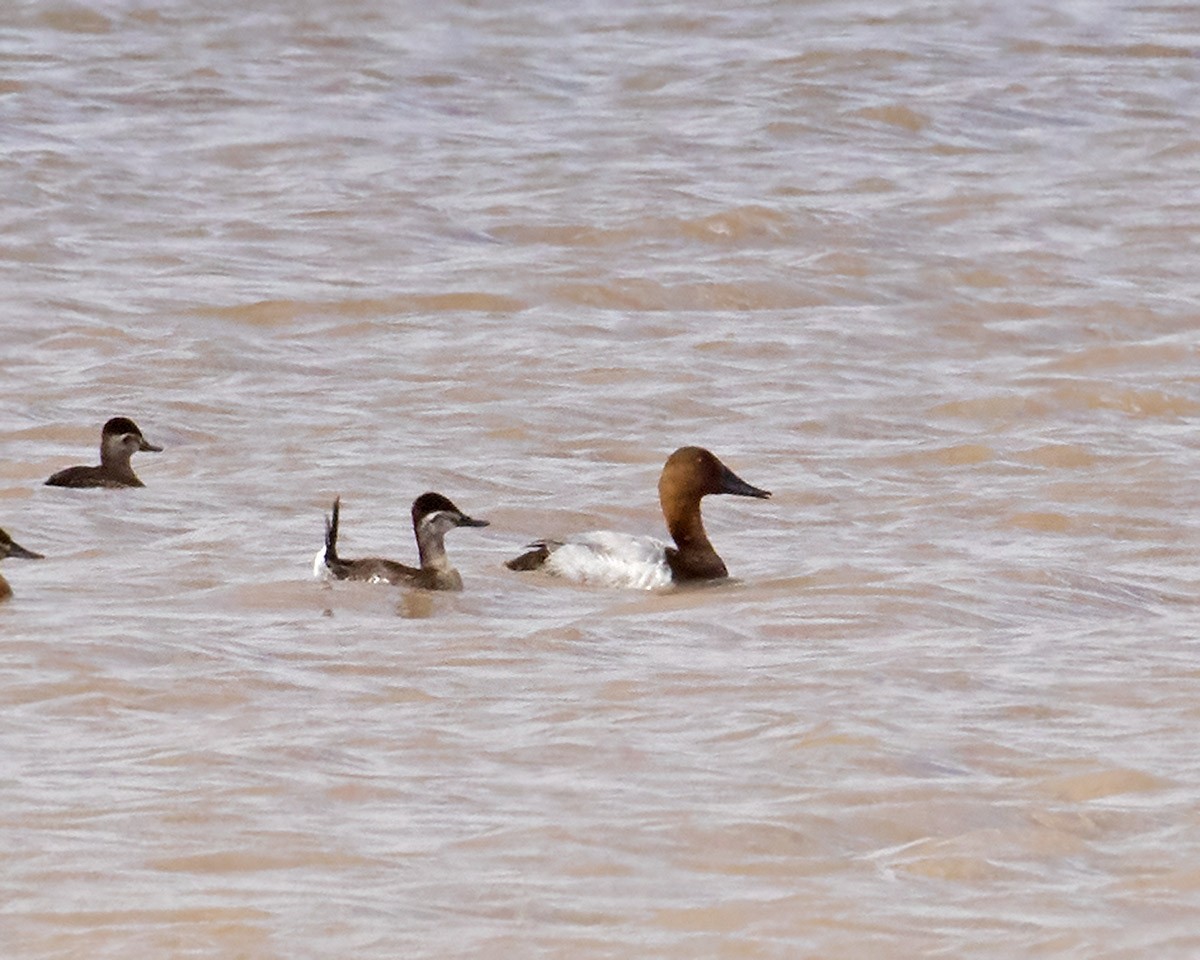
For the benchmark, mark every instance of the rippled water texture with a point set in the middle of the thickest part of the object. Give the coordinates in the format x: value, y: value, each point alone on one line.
x: 927, y: 272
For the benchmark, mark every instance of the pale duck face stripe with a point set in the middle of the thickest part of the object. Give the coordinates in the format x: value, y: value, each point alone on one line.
x: 439, y: 517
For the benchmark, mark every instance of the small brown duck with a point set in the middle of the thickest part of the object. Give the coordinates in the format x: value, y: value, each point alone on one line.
x: 433, y: 516
x: 10, y: 548
x: 119, y: 441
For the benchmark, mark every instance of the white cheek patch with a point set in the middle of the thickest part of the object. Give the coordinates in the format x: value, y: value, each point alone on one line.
x: 439, y: 520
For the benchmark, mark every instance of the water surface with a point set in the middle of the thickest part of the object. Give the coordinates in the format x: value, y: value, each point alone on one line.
x: 928, y: 274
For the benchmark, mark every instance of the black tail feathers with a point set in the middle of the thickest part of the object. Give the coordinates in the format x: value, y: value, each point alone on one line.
x: 331, y: 532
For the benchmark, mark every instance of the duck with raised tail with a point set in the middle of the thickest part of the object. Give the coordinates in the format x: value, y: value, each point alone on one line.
x: 433, y: 516
x: 622, y: 560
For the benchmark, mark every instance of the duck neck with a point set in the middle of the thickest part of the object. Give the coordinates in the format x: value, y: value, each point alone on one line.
x: 694, y: 557
x: 116, y: 463
x: 431, y: 547
x: 687, y: 528
x: 436, y: 572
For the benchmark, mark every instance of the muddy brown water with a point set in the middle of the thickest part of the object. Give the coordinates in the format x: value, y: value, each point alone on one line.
x: 927, y: 273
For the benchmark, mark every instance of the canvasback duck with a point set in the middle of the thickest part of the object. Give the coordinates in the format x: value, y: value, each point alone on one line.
x: 119, y: 441
x: 433, y: 516
x: 622, y: 560
x: 10, y: 548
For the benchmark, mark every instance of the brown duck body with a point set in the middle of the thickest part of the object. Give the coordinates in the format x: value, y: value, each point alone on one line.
x: 613, y: 559
x: 433, y: 516
x: 379, y: 570
x: 119, y: 441
x: 101, y: 476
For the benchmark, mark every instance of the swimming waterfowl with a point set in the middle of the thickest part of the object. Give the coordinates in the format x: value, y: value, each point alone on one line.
x: 621, y: 560
x: 119, y: 441
x: 433, y: 516
x: 10, y: 548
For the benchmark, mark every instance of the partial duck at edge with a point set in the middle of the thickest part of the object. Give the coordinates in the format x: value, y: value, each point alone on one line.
x: 10, y: 548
